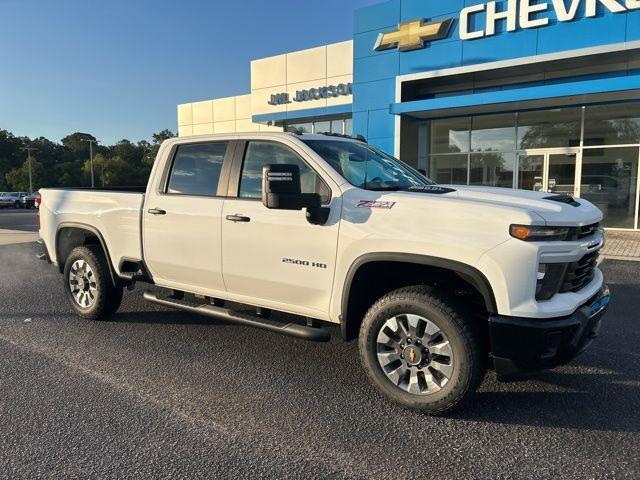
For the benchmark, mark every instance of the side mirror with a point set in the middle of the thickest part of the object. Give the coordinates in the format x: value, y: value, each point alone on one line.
x: 281, y: 189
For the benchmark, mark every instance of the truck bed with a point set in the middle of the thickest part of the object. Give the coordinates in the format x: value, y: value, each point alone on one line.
x: 113, y: 213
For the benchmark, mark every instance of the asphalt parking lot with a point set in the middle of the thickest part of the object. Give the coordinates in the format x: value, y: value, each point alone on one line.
x: 159, y: 393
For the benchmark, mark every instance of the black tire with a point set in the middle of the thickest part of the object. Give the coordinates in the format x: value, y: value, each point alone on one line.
x: 107, y: 297
x: 468, y: 352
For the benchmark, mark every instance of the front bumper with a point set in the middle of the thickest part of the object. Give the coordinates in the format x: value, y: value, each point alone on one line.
x: 528, y: 344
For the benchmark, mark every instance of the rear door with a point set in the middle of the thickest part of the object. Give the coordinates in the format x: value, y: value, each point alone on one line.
x: 276, y: 256
x: 182, y: 218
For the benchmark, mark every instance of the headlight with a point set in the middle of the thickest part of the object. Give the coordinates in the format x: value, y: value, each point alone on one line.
x: 530, y: 233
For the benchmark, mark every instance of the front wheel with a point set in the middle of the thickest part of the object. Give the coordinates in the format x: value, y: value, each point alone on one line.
x: 421, y: 350
x: 88, y: 283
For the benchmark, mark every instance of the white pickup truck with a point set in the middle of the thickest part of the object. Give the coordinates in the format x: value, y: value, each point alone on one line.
x: 436, y: 282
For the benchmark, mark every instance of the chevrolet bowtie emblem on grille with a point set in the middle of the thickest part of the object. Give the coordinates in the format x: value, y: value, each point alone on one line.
x: 413, y: 35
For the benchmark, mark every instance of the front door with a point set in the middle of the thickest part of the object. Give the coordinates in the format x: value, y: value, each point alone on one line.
x: 276, y: 258
x: 552, y: 171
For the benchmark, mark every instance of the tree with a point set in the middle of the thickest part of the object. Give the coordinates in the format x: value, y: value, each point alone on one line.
x: 152, y: 152
x: 18, y: 178
x: 160, y: 137
x: 77, y: 143
x: 10, y: 155
x: 66, y: 164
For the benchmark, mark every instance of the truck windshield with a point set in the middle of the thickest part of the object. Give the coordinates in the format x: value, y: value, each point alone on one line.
x: 367, y: 167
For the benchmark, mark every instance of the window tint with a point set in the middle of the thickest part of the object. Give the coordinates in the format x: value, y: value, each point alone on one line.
x: 259, y: 154
x: 196, y: 169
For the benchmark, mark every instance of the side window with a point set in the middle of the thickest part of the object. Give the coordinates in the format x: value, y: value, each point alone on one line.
x: 259, y: 154
x: 196, y: 169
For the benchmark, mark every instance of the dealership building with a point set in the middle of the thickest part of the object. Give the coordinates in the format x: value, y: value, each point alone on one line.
x: 533, y: 94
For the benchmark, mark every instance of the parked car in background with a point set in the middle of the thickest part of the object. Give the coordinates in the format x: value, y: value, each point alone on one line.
x: 29, y: 201
x: 12, y: 199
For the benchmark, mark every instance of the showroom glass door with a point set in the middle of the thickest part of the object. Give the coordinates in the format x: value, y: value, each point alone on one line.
x: 531, y: 171
x: 551, y: 171
x: 560, y: 173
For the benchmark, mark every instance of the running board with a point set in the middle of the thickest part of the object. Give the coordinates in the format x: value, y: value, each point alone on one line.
x: 290, y: 329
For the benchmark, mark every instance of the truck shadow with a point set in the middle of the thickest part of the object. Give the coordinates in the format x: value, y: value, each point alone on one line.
x: 557, y: 399
x: 590, y: 394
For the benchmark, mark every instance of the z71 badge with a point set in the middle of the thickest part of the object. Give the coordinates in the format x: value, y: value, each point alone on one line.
x: 375, y: 204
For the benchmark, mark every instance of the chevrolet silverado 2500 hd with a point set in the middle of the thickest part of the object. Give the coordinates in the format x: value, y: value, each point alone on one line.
x: 437, y: 282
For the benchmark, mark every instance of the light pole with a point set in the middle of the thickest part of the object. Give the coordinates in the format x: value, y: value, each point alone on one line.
x: 91, y: 142
x: 29, y: 150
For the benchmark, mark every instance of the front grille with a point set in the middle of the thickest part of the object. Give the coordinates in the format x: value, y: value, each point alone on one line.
x: 578, y: 233
x: 579, y: 274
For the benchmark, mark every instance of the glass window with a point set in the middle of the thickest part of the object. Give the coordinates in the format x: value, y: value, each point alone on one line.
x: 450, y: 135
x: 609, y: 177
x: 560, y: 127
x: 493, y: 133
x: 531, y: 172
x: 494, y: 169
x: 299, y: 128
x: 348, y: 127
x: 367, y: 167
x: 337, y: 126
x: 448, y: 169
x: 322, y: 127
x: 196, y: 169
x: 259, y: 154
x: 612, y: 124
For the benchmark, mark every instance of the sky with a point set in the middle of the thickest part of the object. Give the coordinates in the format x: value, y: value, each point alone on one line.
x: 119, y: 68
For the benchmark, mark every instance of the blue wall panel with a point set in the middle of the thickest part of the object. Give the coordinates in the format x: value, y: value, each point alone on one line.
x: 499, y: 47
x: 385, y: 144
x: 441, y: 55
x: 375, y: 72
x: 381, y: 124
x: 377, y: 17
x: 363, y: 44
x: 369, y: 69
x: 587, y: 32
x: 633, y: 26
x: 374, y: 95
x: 412, y: 9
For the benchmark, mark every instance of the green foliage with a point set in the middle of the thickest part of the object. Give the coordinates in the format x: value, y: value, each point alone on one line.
x: 18, y: 178
x: 66, y: 164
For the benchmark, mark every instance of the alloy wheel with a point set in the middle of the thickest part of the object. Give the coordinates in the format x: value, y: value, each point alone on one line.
x: 415, y: 354
x: 82, y: 283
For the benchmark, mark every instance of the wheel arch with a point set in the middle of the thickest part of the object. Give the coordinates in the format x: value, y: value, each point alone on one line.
x: 70, y: 235
x: 468, y: 274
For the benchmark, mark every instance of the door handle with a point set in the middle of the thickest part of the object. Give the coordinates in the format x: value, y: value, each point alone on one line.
x: 238, y: 218
x: 157, y: 211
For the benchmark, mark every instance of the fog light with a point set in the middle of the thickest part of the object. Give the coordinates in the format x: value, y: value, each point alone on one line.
x: 550, y: 278
x: 542, y: 271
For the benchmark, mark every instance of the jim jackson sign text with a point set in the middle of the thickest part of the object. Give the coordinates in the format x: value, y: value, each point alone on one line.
x: 341, y: 90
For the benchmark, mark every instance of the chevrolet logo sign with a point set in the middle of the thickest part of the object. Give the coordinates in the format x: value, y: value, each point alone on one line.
x: 413, y: 35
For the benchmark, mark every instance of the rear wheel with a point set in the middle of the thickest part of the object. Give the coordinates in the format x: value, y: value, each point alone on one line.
x: 88, y: 283
x: 421, y: 350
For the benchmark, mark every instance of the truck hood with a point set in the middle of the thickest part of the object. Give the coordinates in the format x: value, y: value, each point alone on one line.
x: 553, y: 208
